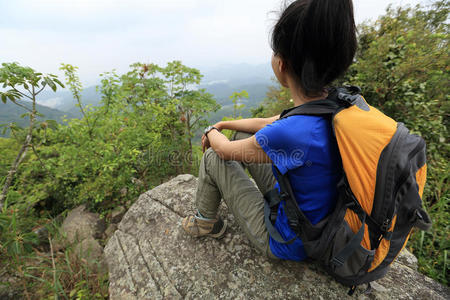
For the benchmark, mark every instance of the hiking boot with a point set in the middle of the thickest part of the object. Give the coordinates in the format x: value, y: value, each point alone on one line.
x: 197, y: 226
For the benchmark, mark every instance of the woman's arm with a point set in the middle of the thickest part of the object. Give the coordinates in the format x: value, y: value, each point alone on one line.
x: 246, y: 150
x: 246, y: 125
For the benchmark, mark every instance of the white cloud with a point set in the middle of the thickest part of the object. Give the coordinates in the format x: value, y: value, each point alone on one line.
x: 52, y: 102
x: 101, y: 35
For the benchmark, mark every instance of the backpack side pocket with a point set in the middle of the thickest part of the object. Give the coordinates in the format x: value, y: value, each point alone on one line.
x: 357, y: 262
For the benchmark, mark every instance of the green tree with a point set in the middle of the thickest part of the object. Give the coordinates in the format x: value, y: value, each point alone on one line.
x: 278, y: 98
x: 137, y: 138
x: 236, y: 98
x: 23, y: 83
x: 175, y: 85
x: 75, y: 86
x: 193, y: 105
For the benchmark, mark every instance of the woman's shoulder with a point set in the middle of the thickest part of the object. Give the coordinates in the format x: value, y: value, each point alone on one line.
x: 302, y: 123
x: 297, y: 126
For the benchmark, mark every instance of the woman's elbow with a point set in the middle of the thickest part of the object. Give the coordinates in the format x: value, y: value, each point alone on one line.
x: 222, y: 153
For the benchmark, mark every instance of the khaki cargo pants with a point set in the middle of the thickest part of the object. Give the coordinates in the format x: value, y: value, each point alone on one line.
x: 227, y: 180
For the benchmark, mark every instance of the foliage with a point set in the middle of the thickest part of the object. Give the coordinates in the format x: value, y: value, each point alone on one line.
x: 11, y: 117
x: 278, y: 98
x: 236, y: 98
x: 142, y: 133
x: 23, y: 82
x: 15, y: 239
x: 138, y: 137
x: 45, y: 275
x: 75, y: 86
x: 8, y: 150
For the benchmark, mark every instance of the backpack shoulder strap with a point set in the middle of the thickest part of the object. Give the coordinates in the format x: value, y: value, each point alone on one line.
x: 338, y: 99
x: 315, y: 108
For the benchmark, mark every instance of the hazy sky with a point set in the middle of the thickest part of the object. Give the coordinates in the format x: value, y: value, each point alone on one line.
x: 101, y: 35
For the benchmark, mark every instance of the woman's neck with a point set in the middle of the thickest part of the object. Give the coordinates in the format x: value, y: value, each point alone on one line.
x: 299, y: 98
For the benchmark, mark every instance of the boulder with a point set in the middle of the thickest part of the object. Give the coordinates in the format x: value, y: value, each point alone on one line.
x: 91, y: 252
x: 150, y: 257
x: 81, y: 224
x: 42, y: 235
x: 110, y: 230
x: 117, y: 214
x: 89, y: 249
x: 408, y: 259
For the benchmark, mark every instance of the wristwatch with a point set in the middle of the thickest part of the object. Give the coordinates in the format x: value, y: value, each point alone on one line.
x: 208, y: 129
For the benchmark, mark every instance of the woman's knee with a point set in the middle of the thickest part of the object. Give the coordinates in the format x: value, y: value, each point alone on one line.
x: 210, y: 155
x: 211, y: 159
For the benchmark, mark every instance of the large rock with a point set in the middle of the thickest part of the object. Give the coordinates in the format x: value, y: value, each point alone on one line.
x: 90, y: 250
x: 81, y: 224
x: 150, y: 257
x: 117, y: 214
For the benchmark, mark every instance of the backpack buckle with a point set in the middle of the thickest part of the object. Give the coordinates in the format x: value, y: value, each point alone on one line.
x: 348, y: 99
x: 353, y: 89
x: 337, y: 262
x: 284, y: 196
x: 273, y: 215
x: 385, y: 226
x: 351, y: 204
x: 349, y: 94
x: 294, y: 224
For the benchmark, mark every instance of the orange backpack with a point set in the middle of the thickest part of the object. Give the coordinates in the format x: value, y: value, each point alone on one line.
x: 380, y: 194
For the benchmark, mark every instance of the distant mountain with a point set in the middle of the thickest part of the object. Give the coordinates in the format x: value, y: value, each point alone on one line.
x: 64, y: 101
x: 222, y: 92
x: 9, y: 113
x: 221, y: 81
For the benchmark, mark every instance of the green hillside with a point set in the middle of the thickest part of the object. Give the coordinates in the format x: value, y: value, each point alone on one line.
x: 222, y: 91
x: 64, y: 101
x: 11, y: 113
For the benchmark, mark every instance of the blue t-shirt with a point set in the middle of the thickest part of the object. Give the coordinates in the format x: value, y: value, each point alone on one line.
x: 305, y: 147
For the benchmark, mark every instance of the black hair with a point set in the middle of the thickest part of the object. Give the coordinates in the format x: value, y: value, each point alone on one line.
x: 317, y: 41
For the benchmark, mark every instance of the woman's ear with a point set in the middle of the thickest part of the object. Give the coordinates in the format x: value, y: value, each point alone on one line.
x: 280, y: 70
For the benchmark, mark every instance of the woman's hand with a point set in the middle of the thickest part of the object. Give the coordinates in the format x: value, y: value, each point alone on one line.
x: 205, y: 143
x: 219, y: 125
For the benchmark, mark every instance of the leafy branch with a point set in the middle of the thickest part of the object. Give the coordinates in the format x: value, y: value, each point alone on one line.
x: 23, y: 82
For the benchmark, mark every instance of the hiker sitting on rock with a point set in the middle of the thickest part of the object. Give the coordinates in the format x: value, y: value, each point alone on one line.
x: 314, y: 42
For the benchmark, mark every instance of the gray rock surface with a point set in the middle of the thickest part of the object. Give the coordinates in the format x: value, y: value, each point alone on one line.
x: 110, y: 231
x: 89, y: 249
x: 117, y: 214
x: 150, y: 257
x: 408, y: 259
x: 81, y: 224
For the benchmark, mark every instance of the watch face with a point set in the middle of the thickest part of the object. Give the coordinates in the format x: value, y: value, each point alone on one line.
x: 208, y: 129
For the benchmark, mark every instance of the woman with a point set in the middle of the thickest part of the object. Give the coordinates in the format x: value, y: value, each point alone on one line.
x: 314, y: 42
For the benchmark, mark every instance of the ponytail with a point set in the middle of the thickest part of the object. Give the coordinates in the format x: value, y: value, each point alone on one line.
x: 317, y: 41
